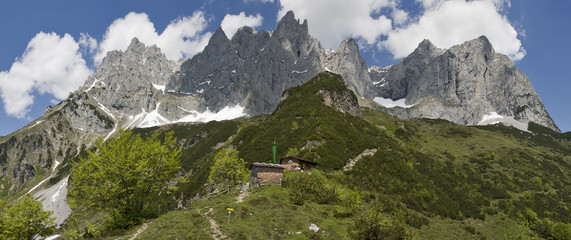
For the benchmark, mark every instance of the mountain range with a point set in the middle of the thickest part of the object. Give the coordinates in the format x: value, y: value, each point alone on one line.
x: 247, y: 75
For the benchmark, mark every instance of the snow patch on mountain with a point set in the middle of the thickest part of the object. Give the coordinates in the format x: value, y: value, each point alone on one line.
x: 55, y: 165
x: 159, y: 87
x: 389, y: 103
x: 154, y: 118
x: 93, y: 84
x: 227, y: 113
x: 493, y: 118
x: 38, y: 122
x: 54, y: 199
x: 147, y: 119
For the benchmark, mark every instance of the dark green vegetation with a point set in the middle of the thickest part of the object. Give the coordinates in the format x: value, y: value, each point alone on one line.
x: 302, y: 121
x: 427, y: 178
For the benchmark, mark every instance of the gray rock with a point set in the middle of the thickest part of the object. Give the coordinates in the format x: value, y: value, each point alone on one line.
x: 462, y: 85
x: 126, y: 82
x: 313, y: 228
x: 348, y: 62
x: 254, y: 68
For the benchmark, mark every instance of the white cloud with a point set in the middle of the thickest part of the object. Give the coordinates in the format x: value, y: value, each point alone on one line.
x: 449, y: 22
x: 50, y: 65
x: 430, y: 4
x: 87, y: 44
x: 399, y: 16
x: 263, y: 1
x: 231, y: 23
x: 331, y: 21
x: 183, y: 37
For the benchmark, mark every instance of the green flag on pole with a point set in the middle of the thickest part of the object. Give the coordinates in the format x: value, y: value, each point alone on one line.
x: 274, y: 148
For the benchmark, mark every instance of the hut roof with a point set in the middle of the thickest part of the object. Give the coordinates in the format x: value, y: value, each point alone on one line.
x: 269, y: 165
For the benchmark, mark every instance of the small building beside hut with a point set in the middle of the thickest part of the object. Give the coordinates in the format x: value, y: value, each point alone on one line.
x: 296, y: 164
x: 266, y: 173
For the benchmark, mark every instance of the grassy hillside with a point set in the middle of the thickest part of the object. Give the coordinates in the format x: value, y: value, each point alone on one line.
x: 427, y: 178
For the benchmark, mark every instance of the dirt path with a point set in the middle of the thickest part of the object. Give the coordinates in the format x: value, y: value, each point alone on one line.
x: 242, y: 195
x: 216, y: 233
x: 141, y: 230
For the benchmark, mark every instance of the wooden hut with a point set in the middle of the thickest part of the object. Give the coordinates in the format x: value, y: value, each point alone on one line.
x: 297, y: 164
x: 266, y: 173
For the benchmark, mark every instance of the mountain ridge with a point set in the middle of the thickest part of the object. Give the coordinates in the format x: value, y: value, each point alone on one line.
x: 246, y: 76
x: 463, y: 84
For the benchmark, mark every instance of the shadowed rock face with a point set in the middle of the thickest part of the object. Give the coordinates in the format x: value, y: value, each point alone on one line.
x: 254, y: 68
x: 462, y: 85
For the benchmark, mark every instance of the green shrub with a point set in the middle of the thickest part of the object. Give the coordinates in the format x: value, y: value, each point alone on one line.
x: 470, y: 229
x: 348, y: 197
x: 310, y: 185
x: 373, y: 224
x: 561, y: 231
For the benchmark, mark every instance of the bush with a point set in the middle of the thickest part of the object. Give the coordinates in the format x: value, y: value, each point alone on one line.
x: 373, y: 224
x: 349, y: 198
x: 311, y: 185
x: 561, y: 231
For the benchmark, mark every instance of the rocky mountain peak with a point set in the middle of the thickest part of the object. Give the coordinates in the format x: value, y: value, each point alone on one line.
x: 425, y: 49
x: 289, y: 25
x: 219, y: 37
x: 426, y: 44
x: 135, y: 46
x: 129, y: 81
x: 467, y: 84
x: 486, y: 45
x: 403, y: 75
x: 480, y: 48
x: 347, y: 61
x: 349, y: 45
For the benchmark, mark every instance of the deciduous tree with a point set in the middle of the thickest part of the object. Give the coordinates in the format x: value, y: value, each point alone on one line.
x: 24, y: 219
x: 125, y: 175
x: 228, y: 167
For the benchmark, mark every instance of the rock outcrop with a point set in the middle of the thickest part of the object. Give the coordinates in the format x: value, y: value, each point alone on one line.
x: 463, y: 84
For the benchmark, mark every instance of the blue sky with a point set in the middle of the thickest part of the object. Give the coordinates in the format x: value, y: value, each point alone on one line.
x: 72, y: 36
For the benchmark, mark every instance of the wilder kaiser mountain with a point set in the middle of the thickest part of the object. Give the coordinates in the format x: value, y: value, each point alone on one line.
x: 468, y: 84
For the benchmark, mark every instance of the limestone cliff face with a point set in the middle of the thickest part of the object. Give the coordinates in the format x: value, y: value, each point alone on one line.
x: 35, y: 151
x: 462, y: 84
x: 253, y: 68
x: 348, y: 62
x: 130, y: 81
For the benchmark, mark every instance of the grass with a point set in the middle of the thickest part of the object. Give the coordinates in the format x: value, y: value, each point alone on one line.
x: 494, y: 227
x: 266, y: 213
x: 179, y: 224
